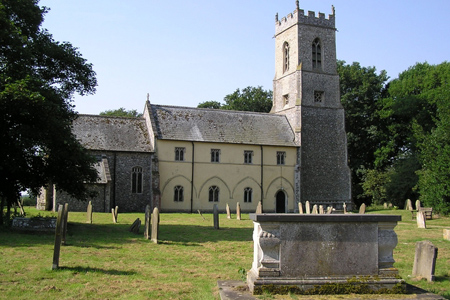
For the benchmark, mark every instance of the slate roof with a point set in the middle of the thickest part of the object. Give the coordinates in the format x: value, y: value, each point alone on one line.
x: 112, y: 133
x: 220, y: 126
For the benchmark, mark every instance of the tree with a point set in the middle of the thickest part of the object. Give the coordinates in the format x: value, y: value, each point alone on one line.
x: 38, y: 77
x: 249, y: 99
x: 121, y: 112
x: 210, y: 104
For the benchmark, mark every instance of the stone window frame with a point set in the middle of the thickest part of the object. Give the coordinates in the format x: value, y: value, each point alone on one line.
x: 319, y: 96
x: 137, y: 176
x: 179, y: 153
x: 286, y: 100
x: 178, y: 193
x: 285, y: 56
x: 248, y: 195
x: 213, y: 193
x: 281, y: 158
x: 316, y: 54
x: 215, y: 155
x: 248, y: 157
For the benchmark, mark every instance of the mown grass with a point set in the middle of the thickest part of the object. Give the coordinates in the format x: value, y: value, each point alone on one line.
x: 105, y: 261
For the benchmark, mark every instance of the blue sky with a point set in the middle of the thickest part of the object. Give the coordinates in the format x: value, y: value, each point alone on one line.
x: 187, y: 52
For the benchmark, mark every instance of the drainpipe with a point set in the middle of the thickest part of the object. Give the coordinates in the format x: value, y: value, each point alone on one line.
x: 114, y: 183
x: 192, y: 179
x: 262, y: 177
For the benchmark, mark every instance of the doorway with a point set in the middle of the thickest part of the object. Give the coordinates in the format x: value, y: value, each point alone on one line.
x: 280, y: 202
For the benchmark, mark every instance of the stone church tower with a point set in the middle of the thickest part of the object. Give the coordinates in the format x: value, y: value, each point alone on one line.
x: 306, y: 90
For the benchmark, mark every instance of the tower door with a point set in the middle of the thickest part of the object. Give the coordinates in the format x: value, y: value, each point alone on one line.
x: 280, y: 202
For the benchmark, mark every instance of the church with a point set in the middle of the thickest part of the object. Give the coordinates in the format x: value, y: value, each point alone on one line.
x: 183, y: 159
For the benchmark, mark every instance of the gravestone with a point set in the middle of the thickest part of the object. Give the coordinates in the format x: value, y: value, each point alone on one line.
x: 200, y: 213
x: 345, y: 208
x: 321, y: 211
x: 57, y: 248
x: 329, y: 210
x: 314, y: 211
x: 135, y: 226
x: 362, y: 208
x: 113, y: 215
x: 116, y: 213
x: 385, y: 206
x: 155, y: 225
x: 418, y: 205
x: 238, y: 211
x: 89, y: 213
x: 216, y: 216
x: 308, y: 208
x: 425, y: 260
x: 259, y: 208
x: 228, y: 212
x: 300, y: 208
x: 421, y: 219
x: 447, y: 234
x: 147, y: 222
x: 390, y: 205
x: 64, y: 223
x: 408, y: 205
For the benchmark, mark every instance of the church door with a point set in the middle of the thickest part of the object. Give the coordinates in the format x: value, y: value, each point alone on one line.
x: 280, y: 202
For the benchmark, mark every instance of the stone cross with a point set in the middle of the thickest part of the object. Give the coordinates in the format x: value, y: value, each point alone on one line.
x: 421, y: 219
x: 307, y: 207
x: 300, y: 208
x: 321, y: 211
x: 259, y: 208
x: 57, y: 248
x: 216, y: 216
x: 314, y: 211
x: 147, y: 222
x: 89, y: 213
x: 425, y: 260
x: 155, y: 225
x: 362, y: 208
x: 228, y: 212
x: 238, y: 211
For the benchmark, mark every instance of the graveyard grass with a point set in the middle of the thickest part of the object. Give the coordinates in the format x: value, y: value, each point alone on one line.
x: 105, y: 261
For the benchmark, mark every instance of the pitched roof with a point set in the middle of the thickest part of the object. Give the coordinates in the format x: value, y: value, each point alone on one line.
x: 112, y: 133
x: 220, y: 126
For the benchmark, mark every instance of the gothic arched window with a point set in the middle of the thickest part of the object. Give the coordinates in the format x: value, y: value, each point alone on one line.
x: 136, y: 180
x: 248, y: 195
x: 285, y: 56
x: 213, y: 194
x: 178, y: 194
x: 316, y: 54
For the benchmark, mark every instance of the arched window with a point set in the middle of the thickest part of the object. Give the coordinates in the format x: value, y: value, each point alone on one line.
x: 248, y: 195
x: 316, y: 54
x: 213, y: 194
x: 178, y: 193
x: 285, y: 56
x: 136, y: 180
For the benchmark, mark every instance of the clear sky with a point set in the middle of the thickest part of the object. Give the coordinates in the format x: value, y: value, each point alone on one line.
x: 187, y: 52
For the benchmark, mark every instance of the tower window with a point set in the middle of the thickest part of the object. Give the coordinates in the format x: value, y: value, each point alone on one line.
x: 285, y: 56
x: 179, y: 153
x: 136, y: 180
x: 213, y: 194
x: 215, y: 155
x: 281, y: 157
x: 318, y: 96
x: 316, y: 55
x: 248, y: 193
x: 248, y: 156
x: 178, y: 193
x: 285, y: 99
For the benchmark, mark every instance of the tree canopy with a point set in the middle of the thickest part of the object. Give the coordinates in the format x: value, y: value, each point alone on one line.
x: 121, y: 112
x: 38, y: 77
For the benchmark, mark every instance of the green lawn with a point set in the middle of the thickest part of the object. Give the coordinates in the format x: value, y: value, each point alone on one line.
x: 105, y: 261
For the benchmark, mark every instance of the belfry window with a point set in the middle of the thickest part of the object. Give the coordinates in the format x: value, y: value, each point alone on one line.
x: 316, y: 55
x: 318, y: 96
x: 136, y: 180
x: 178, y: 193
x: 213, y: 194
x: 285, y: 57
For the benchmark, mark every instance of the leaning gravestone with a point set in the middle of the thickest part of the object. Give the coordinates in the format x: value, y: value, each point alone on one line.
x: 259, y: 208
x: 57, y: 248
x: 421, y: 219
x: 238, y: 211
x: 155, y: 225
x: 216, y: 216
x: 135, y: 226
x: 362, y: 208
x: 308, y: 208
x: 89, y: 213
x: 228, y: 212
x: 116, y: 213
x: 329, y: 210
x: 113, y: 215
x: 64, y: 223
x: 300, y: 208
x: 314, y: 211
x: 425, y: 260
x: 147, y: 222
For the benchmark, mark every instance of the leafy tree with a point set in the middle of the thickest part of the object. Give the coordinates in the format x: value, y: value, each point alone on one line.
x: 249, y: 99
x: 210, y: 104
x: 361, y: 91
x: 121, y: 112
x: 38, y: 77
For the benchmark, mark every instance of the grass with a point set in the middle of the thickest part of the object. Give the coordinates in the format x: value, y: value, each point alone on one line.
x: 105, y: 261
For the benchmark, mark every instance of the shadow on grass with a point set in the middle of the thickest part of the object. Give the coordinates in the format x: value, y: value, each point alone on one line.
x: 96, y: 270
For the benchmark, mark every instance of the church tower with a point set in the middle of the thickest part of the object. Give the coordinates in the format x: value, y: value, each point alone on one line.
x: 306, y: 90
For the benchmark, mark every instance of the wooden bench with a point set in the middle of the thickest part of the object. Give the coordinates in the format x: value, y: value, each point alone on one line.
x: 427, y: 210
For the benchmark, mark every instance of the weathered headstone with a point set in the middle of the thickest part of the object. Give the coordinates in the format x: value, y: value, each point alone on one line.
x: 329, y: 209
x: 300, y: 208
x: 57, y: 248
x: 385, y: 206
x: 344, y: 206
x: 216, y: 216
x: 228, y: 212
x: 321, y: 211
x: 408, y: 205
x: 116, y: 213
x: 425, y: 260
x: 155, y: 225
x: 259, y: 208
x: 238, y: 211
x: 362, y: 208
x: 390, y: 205
x: 447, y: 234
x: 113, y: 215
x: 418, y: 205
x: 89, y: 213
x: 307, y: 207
x: 147, y: 222
x: 420, y: 217
x: 136, y: 226
x: 64, y: 223
x: 314, y: 211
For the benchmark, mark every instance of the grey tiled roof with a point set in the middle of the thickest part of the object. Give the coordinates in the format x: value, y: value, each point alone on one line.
x: 220, y: 126
x: 112, y: 133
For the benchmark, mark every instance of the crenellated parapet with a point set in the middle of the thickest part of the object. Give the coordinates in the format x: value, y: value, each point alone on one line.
x: 299, y: 17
